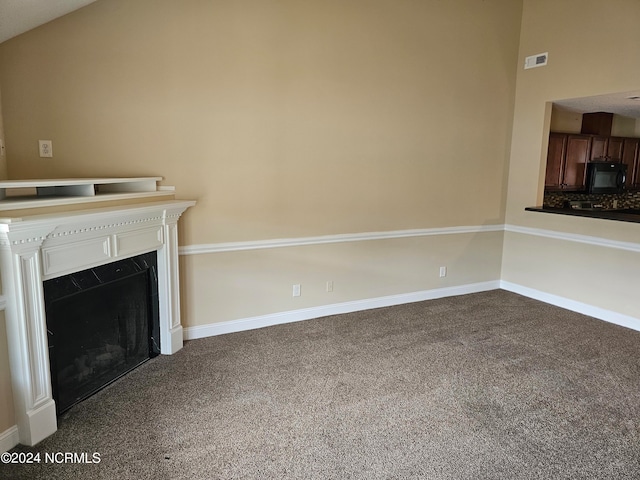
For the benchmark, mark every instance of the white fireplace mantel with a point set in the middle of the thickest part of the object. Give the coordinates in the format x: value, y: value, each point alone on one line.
x: 40, y: 247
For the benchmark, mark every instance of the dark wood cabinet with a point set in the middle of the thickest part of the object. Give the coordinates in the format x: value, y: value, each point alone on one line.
x: 614, y: 148
x: 568, y: 155
x: 555, y: 160
x: 597, y: 123
x: 576, y: 158
x: 598, y: 148
x: 630, y: 158
x: 606, y: 148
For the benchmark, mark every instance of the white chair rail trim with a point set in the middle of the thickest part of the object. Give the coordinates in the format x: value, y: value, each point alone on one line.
x: 361, y: 237
x: 339, y: 238
x: 575, y: 237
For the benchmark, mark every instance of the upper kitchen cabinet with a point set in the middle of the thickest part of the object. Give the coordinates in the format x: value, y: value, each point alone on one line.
x: 578, y: 151
x: 630, y: 149
x: 555, y: 160
x: 614, y: 148
x: 599, y: 146
x: 606, y: 148
x: 567, y: 157
x: 598, y: 123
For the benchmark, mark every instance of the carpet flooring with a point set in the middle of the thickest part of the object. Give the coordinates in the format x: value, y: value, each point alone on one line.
x: 483, y: 386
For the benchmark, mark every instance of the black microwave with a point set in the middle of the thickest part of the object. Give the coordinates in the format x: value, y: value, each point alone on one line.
x: 606, y: 177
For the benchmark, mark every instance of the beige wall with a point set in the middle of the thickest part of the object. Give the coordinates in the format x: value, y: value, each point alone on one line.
x: 232, y: 285
x: 3, y: 155
x: 623, y: 126
x: 281, y: 118
x: 594, y: 275
x: 565, y: 121
x: 580, y: 64
x: 284, y: 119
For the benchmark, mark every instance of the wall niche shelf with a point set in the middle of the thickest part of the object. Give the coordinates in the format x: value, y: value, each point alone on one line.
x: 20, y: 194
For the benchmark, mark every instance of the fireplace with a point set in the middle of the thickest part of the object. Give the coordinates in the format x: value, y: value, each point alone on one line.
x: 102, y: 323
x: 38, y: 251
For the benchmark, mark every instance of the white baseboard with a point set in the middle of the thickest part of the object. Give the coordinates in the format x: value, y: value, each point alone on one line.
x: 175, y: 341
x: 579, y: 307
x: 221, y: 328
x: 9, y: 439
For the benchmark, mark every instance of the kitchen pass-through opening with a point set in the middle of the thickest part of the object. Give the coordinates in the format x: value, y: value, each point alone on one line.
x: 102, y: 323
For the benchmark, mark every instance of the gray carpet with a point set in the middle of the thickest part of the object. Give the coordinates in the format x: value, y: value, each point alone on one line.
x: 483, y: 386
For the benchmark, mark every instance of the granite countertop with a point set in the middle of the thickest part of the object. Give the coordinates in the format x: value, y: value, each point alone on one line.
x: 621, y: 215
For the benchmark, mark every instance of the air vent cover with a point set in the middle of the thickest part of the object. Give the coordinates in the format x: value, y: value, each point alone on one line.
x: 538, y: 60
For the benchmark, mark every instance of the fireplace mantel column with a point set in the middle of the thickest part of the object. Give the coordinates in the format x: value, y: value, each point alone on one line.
x: 22, y: 283
x: 169, y: 284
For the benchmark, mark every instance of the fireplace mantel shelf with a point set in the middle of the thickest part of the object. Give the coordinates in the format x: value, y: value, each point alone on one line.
x: 34, y: 193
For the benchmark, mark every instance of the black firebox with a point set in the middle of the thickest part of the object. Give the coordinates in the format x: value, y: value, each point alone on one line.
x: 102, y: 323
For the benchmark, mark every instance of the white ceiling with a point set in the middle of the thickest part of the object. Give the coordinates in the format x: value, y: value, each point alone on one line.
x: 18, y: 16
x: 621, y: 103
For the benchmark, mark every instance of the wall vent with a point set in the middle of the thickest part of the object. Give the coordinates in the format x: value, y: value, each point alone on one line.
x: 538, y: 60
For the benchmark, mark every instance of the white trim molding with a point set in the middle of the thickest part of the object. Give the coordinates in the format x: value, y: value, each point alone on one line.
x: 339, y: 238
x: 574, y: 237
x: 573, y: 305
x: 425, y: 232
x: 251, y: 323
x: 221, y: 328
x: 9, y: 439
x: 231, y: 326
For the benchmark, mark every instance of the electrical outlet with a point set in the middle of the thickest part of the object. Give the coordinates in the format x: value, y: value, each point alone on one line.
x: 45, y: 148
x: 1, y: 147
x: 296, y: 290
x: 443, y: 272
x: 330, y: 286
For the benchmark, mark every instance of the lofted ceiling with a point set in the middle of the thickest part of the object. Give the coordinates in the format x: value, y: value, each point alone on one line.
x: 626, y: 104
x: 18, y: 16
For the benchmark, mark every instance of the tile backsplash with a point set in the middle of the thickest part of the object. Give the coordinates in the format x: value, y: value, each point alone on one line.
x: 624, y: 200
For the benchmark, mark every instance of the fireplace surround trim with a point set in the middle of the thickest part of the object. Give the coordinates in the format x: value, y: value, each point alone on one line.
x: 40, y: 247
